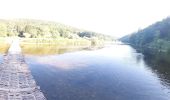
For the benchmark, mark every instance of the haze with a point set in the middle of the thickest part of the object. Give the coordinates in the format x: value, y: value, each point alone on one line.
x: 113, y: 17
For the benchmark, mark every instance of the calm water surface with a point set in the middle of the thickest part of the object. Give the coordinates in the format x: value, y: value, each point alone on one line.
x: 116, y: 72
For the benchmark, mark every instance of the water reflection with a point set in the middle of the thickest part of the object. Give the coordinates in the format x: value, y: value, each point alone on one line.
x: 113, y: 73
x: 160, y: 66
x: 47, y: 49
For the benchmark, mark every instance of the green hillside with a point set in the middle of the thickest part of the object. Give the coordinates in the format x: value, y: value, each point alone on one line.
x: 155, y: 37
x: 27, y: 28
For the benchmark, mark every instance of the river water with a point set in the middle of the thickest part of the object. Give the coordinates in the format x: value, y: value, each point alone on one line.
x: 115, y: 72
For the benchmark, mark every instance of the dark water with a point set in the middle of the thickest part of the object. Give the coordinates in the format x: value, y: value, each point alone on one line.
x: 117, y: 72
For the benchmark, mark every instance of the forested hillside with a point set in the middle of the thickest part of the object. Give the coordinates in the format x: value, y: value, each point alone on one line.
x: 155, y: 37
x: 44, y: 29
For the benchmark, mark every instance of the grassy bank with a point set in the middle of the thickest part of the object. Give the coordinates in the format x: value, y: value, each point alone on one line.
x: 4, y: 45
x: 50, y: 45
x: 59, y: 42
x: 62, y: 42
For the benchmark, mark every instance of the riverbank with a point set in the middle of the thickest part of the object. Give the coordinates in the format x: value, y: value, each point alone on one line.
x: 44, y: 46
x: 51, y: 41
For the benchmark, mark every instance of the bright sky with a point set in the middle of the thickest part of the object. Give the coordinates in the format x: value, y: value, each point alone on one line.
x: 113, y: 17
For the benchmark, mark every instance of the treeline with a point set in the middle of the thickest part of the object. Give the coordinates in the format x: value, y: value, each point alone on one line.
x: 45, y: 29
x: 156, y: 37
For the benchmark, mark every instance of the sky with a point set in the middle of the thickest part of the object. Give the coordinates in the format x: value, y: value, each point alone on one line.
x: 112, y: 17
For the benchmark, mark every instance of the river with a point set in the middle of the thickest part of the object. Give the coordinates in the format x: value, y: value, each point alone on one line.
x: 115, y: 72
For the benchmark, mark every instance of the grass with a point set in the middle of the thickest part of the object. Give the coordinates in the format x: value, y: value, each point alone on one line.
x: 48, y: 45
x: 57, y: 42
x: 4, y: 45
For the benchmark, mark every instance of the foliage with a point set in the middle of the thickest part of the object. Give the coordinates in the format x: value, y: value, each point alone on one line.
x: 156, y: 37
x: 44, y: 29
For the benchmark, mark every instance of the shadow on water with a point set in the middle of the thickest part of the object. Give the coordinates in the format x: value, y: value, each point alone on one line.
x: 159, y: 62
